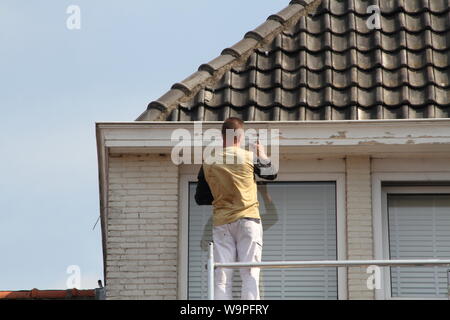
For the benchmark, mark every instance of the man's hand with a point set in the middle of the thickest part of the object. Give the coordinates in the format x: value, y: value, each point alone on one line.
x: 263, y: 167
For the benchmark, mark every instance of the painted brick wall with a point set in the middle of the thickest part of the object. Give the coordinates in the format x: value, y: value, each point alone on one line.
x: 359, y: 223
x: 142, y: 227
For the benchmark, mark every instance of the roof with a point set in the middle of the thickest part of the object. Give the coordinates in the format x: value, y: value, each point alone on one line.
x: 35, y: 294
x: 318, y: 60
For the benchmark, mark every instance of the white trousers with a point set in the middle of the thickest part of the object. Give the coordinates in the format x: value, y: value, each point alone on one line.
x: 238, y: 241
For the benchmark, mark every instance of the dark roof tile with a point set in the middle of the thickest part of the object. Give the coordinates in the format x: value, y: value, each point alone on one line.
x: 241, y: 47
x: 264, y: 30
x: 287, y: 13
x: 217, y: 63
x: 189, y: 84
x: 415, y: 6
x: 439, y: 5
x: 440, y: 23
x: 340, y: 8
x: 441, y: 59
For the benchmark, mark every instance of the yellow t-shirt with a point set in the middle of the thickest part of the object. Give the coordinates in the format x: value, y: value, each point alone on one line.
x: 232, y: 185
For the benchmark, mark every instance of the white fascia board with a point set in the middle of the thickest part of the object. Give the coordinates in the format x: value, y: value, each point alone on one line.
x: 365, y: 136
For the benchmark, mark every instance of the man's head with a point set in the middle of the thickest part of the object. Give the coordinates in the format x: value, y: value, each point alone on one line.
x: 232, y: 131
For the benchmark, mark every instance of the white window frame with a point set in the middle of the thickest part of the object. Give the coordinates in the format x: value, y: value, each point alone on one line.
x: 380, y: 217
x: 338, y: 178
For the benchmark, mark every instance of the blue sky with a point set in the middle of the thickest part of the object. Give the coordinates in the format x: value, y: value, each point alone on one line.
x: 56, y: 83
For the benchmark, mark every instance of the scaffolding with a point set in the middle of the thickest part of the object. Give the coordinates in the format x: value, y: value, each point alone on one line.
x: 211, y: 265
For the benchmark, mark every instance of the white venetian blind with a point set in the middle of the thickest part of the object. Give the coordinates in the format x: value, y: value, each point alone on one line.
x: 419, y: 228
x: 299, y: 221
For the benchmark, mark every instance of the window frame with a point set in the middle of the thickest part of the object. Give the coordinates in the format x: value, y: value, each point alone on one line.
x: 380, y: 217
x: 337, y: 178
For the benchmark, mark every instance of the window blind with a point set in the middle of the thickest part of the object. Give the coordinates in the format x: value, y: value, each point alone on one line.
x: 299, y: 221
x: 419, y: 228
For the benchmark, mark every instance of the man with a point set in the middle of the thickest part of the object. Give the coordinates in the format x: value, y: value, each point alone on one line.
x: 230, y: 187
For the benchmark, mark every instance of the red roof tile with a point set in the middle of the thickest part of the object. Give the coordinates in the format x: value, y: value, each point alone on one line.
x: 48, y: 294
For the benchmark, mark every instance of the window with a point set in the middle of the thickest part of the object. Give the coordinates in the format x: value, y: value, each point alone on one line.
x: 417, y: 223
x: 299, y: 220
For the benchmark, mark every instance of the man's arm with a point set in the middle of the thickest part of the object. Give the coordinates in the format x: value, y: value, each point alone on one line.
x: 203, y: 195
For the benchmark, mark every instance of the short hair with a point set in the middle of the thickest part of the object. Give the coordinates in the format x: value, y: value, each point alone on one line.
x: 234, y: 124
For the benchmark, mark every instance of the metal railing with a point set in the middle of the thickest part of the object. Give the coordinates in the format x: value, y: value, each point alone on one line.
x: 211, y: 266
